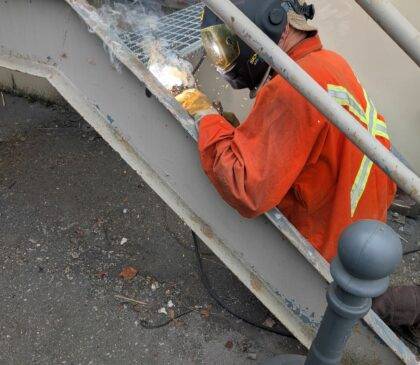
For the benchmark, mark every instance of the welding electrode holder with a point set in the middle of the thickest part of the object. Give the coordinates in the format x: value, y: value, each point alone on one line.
x: 369, y: 251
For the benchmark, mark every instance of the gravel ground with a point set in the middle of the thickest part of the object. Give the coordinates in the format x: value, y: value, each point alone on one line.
x: 408, y: 272
x: 73, y: 216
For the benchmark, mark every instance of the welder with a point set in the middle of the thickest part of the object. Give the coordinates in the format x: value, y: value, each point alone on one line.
x: 286, y: 154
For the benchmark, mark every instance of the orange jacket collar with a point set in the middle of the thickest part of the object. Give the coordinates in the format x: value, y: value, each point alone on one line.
x: 305, y: 47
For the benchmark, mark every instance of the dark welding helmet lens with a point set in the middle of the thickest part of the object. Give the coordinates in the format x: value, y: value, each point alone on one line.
x: 221, y: 46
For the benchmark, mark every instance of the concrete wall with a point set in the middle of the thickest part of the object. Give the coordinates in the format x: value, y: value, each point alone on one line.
x: 389, y: 76
x: 21, y: 83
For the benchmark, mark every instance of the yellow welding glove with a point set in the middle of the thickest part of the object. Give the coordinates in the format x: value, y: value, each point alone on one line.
x: 196, y: 103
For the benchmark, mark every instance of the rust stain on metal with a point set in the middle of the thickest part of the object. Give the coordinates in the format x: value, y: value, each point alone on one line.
x: 356, y: 328
x: 256, y: 283
x: 207, y: 231
x: 204, y: 227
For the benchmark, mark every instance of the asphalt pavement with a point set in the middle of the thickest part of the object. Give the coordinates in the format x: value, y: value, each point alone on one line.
x: 90, y: 256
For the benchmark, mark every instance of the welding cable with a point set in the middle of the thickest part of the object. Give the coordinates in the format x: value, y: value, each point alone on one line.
x: 206, y: 283
x: 150, y: 326
x: 409, y: 252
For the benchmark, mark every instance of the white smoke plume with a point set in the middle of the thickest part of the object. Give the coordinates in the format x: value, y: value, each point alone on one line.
x: 143, y: 16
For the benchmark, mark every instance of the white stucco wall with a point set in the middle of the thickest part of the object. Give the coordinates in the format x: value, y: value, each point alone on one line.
x: 388, y: 74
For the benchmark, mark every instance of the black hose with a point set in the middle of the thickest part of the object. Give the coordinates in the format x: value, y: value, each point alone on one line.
x: 205, y: 281
x: 150, y: 326
x: 409, y: 252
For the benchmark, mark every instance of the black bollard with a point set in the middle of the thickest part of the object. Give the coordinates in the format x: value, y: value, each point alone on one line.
x: 369, y: 251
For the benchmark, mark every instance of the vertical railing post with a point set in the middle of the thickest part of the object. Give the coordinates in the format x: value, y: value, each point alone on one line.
x: 369, y: 251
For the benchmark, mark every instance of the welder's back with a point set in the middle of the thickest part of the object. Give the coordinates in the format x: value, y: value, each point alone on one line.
x: 287, y: 154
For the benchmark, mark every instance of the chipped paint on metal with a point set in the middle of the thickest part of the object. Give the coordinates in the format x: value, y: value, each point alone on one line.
x: 109, y: 119
x: 308, y: 319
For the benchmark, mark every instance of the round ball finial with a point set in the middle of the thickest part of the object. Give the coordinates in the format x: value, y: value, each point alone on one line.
x: 369, y: 250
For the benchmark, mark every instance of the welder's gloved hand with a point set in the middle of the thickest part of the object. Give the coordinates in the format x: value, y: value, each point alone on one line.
x: 196, y: 103
x: 399, y: 306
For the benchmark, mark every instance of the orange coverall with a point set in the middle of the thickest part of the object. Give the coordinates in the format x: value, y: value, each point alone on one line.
x: 287, y: 154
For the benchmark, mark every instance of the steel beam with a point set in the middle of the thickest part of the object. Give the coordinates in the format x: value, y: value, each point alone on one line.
x: 395, y: 25
x: 301, y: 81
x: 153, y: 142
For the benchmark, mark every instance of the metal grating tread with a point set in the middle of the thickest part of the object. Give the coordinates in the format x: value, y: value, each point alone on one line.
x: 181, y: 31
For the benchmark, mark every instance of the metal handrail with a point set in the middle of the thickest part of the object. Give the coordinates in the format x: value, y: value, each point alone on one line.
x: 395, y: 25
x: 309, y: 88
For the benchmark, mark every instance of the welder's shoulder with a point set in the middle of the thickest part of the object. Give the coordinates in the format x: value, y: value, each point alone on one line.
x: 279, y: 88
x: 323, y: 66
x: 326, y: 66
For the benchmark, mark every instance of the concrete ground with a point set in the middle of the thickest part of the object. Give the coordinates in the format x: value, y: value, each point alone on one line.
x: 73, y: 216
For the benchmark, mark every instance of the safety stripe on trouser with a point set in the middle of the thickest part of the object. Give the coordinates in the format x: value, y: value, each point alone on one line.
x: 375, y: 126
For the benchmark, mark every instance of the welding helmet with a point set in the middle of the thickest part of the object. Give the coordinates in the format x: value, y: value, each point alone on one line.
x: 233, y: 58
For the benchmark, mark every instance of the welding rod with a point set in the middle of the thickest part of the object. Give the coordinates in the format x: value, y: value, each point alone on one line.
x: 301, y: 81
